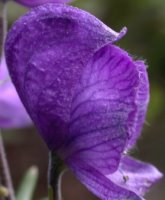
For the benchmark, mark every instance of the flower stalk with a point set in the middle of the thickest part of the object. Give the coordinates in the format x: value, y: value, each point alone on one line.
x: 54, y: 170
x: 5, y: 173
x: 6, y: 188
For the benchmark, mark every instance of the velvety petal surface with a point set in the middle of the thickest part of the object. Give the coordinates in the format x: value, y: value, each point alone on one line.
x: 46, y: 51
x: 104, y: 118
x: 103, y: 108
x: 142, y: 99
x: 135, y: 175
x: 12, y: 112
x: 32, y: 3
x: 98, y: 184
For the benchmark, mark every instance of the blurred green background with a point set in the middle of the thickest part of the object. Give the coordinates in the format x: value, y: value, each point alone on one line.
x: 145, y: 20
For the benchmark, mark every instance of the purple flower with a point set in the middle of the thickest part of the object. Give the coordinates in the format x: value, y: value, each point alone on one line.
x: 12, y: 112
x: 32, y: 3
x: 86, y: 96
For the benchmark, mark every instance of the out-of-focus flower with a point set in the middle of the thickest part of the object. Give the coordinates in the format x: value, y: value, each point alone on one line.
x: 12, y: 112
x: 86, y: 96
x: 32, y: 3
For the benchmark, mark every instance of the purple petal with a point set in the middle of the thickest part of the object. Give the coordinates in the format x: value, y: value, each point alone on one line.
x: 142, y: 99
x: 135, y: 175
x: 12, y: 112
x: 98, y: 184
x: 102, y: 109
x: 46, y: 51
x: 33, y: 3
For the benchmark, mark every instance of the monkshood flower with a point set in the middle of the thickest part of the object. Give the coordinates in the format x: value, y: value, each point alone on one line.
x: 87, y: 97
x: 32, y: 3
x: 12, y: 112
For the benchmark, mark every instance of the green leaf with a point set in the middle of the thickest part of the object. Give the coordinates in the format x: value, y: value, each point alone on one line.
x: 28, y: 184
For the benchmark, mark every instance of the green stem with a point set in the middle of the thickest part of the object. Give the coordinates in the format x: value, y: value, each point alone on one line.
x: 5, y: 172
x: 54, y: 170
x: 60, y: 184
x: 6, y: 187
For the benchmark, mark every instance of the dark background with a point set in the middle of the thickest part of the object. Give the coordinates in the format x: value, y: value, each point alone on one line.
x: 145, y: 20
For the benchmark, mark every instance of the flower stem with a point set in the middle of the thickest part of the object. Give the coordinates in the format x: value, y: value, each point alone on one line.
x: 6, y: 187
x: 4, y: 171
x: 59, y: 190
x: 54, y: 170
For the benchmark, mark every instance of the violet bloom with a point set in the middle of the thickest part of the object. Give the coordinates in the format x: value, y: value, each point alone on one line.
x: 87, y: 97
x: 32, y: 3
x: 12, y: 112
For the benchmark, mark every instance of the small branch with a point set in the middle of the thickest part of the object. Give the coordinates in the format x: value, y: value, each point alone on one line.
x: 54, y: 170
x: 5, y: 172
